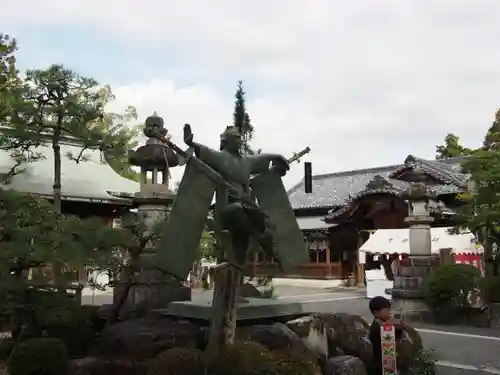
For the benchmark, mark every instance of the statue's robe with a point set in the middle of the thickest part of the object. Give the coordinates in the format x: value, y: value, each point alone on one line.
x: 178, y: 246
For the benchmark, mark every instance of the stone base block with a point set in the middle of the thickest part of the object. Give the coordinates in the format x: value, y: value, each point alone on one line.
x: 252, y: 309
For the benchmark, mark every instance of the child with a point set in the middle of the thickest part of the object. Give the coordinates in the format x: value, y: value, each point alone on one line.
x: 380, y: 307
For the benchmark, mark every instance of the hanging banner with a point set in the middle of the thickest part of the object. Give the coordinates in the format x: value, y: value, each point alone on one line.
x: 388, y: 338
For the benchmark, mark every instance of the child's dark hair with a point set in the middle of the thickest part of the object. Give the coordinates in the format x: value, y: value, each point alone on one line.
x: 379, y: 303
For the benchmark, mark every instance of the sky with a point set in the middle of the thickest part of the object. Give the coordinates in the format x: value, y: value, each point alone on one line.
x: 363, y: 83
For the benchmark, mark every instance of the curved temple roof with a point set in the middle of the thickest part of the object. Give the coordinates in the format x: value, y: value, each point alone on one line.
x: 92, y: 180
x: 335, y: 190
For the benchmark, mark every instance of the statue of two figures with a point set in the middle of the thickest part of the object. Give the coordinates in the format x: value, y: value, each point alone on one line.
x: 251, y: 206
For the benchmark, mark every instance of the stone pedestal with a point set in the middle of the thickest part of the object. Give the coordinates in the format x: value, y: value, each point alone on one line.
x: 154, y: 289
x: 408, y: 293
x: 252, y: 310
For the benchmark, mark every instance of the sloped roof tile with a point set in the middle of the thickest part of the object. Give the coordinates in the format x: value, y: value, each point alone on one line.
x: 337, y: 189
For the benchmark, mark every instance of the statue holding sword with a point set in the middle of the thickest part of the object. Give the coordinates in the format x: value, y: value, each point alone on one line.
x: 251, y: 203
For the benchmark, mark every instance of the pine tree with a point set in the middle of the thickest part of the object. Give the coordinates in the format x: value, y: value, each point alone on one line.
x: 241, y: 120
x: 57, y: 103
x: 9, y: 79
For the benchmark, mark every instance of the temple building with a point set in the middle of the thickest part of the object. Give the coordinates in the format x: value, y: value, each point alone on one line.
x: 345, y: 208
x: 89, y: 188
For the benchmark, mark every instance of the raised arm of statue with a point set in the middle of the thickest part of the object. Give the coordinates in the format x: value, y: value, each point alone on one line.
x: 204, y: 153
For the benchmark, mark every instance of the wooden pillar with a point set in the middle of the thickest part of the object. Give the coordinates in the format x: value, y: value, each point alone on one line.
x: 228, y: 278
x: 360, y: 268
x: 445, y: 256
x: 328, y: 258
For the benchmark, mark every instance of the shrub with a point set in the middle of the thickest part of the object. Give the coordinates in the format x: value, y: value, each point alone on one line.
x: 448, y: 287
x: 178, y: 361
x: 291, y: 364
x: 424, y: 364
x: 491, y: 288
x: 6, y: 347
x: 40, y: 356
x: 243, y: 358
x: 72, y: 325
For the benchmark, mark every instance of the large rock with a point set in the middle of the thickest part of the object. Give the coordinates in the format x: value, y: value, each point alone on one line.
x: 101, y: 366
x: 336, y: 334
x: 349, y: 333
x: 344, y: 365
x: 408, y: 348
x: 145, y: 338
x: 248, y: 290
x: 277, y: 337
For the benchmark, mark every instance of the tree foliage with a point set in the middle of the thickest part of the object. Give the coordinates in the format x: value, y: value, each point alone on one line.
x: 58, y: 103
x: 34, y: 237
x: 451, y: 148
x: 241, y: 119
x: 481, y: 205
x: 9, y: 79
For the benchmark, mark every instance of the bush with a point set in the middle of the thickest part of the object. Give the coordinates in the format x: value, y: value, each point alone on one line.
x: 491, y: 288
x: 178, y: 361
x: 447, y: 289
x: 243, y: 358
x: 424, y: 364
x: 291, y: 364
x: 73, y: 326
x: 6, y: 347
x: 40, y: 356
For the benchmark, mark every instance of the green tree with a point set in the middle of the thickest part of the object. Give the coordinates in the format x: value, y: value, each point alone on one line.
x: 58, y: 103
x: 34, y: 237
x: 207, y: 245
x: 492, y: 138
x: 481, y: 209
x: 241, y: 119
x: 9, y: 79
x: 451, y: 148
x: 124, y: 137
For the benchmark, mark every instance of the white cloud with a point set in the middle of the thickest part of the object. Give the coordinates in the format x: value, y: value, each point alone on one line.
x: 363, y: 82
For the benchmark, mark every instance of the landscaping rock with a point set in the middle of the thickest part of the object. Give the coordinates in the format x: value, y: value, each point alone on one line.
x: 276, y: 337
x: 344, y: 365
x: 145, y: 338
x: 344, y: 334
x: 101, y: 366
x: 248, y: 290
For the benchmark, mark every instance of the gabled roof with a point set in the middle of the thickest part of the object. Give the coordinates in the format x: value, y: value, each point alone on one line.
x: 442, y: 172
x: 337, y: 189
x: 90, y: 180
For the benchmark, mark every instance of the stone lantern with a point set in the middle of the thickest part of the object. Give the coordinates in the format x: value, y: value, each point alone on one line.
x: 154, y: 157
x: 408, y: 294
x: 153, y: 201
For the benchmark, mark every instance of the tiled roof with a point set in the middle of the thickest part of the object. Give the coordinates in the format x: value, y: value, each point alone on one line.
x: 446, y: 173
x: 337, y: 189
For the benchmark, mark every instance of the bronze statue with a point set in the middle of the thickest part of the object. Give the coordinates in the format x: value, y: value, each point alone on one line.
x: 239, y: 181
x: 240, y: 215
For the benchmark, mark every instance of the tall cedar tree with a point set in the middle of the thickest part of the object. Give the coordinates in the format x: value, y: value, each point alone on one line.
x: 241, y: 120
x: 481, y: 213
x: 58, y: 103
x: 451, y: 148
